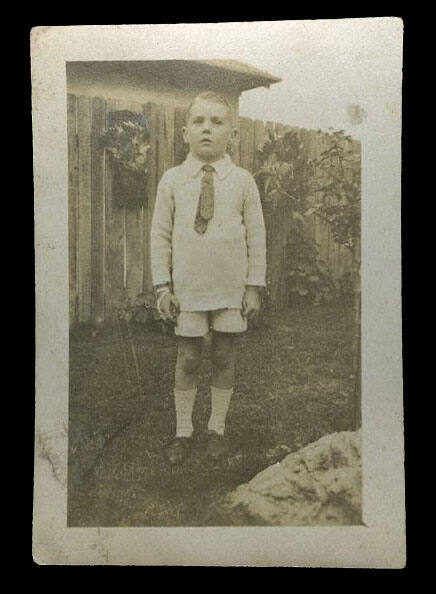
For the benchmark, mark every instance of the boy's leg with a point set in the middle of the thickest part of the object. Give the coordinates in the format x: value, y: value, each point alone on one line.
x: 189, y: 351
x: 223, y: 360
x: 188, y: 363
x: 223, y: 371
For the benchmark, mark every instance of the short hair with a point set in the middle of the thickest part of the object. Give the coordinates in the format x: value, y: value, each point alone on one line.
x: 212, y: 97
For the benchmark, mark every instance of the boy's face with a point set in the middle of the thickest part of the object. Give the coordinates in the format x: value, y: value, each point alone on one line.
x: 208, y: 130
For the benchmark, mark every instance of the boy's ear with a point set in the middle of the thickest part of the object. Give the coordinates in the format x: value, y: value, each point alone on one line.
x: 184, y: 133
x: 234, y: 133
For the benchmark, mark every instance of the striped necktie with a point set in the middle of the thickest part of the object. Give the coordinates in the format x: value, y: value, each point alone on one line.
x: 205, y: 203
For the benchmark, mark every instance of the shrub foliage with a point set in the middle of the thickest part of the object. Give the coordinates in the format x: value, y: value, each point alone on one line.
x: 327, y: 187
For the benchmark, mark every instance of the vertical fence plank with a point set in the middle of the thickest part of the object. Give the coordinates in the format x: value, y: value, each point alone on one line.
x: 247, y: 143
x: 268, y: 215
x: 134, y: 235
x: 357, y: 150
x: 134, y: 252
x: 312, y: 156
x: 84, y: 208
x: 305, y: 140
x: 73, y: 182
x: 150, y: 112
x: 326, y: 241
x: 356, y: 146
x: 269, y: 127
x: 114, y: 236
x: 242, y: 142
x: 322, y: 240
x: 251, y: 145
x: 170, y: 117
x: 98, y: 107
x: 279, y: 129
x: 259, y: 139
x: 341, y: 261
x: 278, y: 251
x: 181, y: 148
x: 283, y: 239
x: 335, y: 249
x: 274, y: 219
x: 235, y: 143
x: 162, y: 157
x: 271, y: 260
x: 316, y: 232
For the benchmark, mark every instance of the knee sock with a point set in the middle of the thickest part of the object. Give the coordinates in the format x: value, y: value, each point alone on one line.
x: 184, y: 401
x: 220, y: 405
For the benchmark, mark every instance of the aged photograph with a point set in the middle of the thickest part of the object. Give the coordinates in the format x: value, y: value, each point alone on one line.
x: 214, y: 303
x: 218, y: 294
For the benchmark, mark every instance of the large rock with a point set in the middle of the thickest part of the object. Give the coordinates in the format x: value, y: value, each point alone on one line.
x: 318, y: 485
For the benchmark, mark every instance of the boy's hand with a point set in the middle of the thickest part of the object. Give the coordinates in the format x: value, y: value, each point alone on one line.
x: 169, y: 307
x: 251, y: 302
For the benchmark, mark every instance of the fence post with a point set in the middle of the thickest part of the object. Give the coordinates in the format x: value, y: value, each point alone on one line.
x: 357, y: 337
x: 73, y: 182
x: 150, y: 112
x: 84, y: 208
x: 114, y: 233
x: 98, y: 114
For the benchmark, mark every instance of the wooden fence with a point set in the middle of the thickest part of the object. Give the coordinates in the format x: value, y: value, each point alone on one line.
x: 109, y: 251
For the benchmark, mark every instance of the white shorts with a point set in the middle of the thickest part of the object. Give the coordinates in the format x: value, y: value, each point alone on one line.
x: 198, y: 323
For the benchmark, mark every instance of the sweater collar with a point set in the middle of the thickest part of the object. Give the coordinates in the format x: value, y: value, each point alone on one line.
x: 222, y: 167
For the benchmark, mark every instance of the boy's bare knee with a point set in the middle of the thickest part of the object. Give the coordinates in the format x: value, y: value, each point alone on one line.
x: 190, y: 364
x: 189, y: 356
x: 222, y: 360
x: 222, y: 351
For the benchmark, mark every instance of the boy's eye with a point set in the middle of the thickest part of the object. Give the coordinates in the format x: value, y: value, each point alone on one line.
x: 215, y: 121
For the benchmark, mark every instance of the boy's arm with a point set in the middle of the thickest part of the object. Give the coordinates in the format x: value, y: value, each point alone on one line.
x: 161, y: 234
x: 255, y: 236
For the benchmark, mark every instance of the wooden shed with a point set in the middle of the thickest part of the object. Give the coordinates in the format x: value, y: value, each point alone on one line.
x: 109, y: 245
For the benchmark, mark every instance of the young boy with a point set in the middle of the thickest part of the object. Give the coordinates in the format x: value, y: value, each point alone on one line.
x: 208, y: 261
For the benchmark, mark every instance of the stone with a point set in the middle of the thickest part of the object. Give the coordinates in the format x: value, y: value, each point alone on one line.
x: 318, y: 485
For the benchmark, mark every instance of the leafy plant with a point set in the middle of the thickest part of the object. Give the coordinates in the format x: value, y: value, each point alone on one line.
x: 337, y: 185
x: 283, y: 171
x: 143, y: 311
x: 327, y: 187
x: 308, y: 276
x: 127, y: 139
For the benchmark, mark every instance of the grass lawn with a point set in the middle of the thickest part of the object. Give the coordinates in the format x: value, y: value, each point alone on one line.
x: 294, y: 384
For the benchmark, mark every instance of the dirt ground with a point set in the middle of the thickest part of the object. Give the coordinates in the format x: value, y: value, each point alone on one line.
x: 294, y: 384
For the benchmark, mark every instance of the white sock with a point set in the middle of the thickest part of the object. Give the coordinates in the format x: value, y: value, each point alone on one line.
x: 220, y: 405
x: 184, y: 400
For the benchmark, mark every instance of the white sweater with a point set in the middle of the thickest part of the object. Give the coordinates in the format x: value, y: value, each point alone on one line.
x: 208, y: 271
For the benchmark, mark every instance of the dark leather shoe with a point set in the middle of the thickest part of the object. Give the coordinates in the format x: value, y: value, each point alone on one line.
x: 217, y: 447
x: 178, y: 450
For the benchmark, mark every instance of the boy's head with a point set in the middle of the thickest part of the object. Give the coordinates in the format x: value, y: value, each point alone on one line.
x: 208, y: 126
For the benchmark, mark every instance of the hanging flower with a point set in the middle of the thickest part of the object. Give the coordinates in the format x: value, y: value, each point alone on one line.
x: 128, y: 140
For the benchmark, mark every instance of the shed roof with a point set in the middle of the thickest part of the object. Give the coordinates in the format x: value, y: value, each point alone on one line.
x: 207, y: 74
x: 247, y: 77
